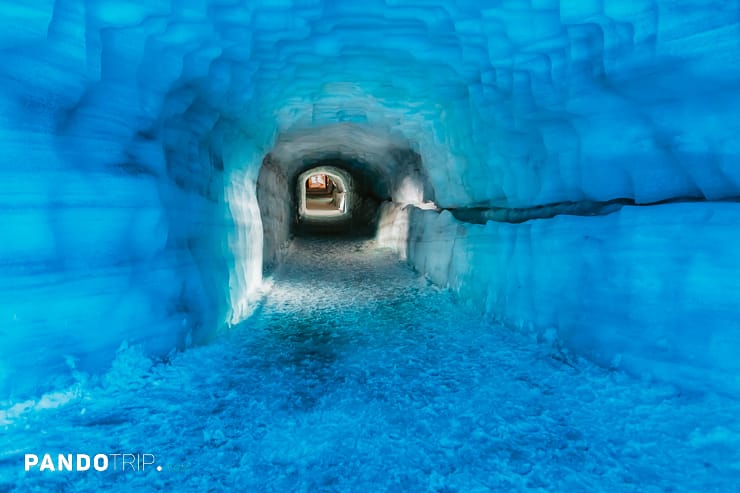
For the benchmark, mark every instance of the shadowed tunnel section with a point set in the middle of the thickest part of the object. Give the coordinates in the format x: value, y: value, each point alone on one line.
x: 567, y: 168
x: 377, y: 170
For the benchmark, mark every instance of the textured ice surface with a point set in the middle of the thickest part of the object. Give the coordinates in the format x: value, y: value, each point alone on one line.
x: 357, y: 375
x: 133, y: 133
x: 650, y: 289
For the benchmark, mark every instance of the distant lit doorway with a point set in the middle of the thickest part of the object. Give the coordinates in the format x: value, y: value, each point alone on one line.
x: 323, y: 194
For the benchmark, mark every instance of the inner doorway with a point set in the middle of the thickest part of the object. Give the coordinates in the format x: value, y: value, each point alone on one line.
x: 324, y: 195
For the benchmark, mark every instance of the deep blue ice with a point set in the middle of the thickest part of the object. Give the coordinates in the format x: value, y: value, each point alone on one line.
x: 358, y: 375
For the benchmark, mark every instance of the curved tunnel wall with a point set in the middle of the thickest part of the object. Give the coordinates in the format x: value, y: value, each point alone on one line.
x: 134, y: 134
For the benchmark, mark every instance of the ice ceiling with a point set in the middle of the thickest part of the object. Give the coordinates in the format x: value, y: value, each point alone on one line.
x: 134, y: 134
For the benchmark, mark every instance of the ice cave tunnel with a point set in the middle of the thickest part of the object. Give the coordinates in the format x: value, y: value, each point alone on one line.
x: 291, y: 201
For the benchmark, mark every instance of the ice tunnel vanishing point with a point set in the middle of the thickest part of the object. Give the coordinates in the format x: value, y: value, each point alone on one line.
x: 567, y: 169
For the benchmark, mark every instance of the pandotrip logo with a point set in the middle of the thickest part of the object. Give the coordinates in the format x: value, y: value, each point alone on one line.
x: 120, y: 462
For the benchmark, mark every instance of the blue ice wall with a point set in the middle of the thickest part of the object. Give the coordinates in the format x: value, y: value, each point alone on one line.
x: 650, y: 290
x: 133, y: 134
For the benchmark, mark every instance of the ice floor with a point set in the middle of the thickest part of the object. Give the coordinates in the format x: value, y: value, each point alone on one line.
x: 356, y: 375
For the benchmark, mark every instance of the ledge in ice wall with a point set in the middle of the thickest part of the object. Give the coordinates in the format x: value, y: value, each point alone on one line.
x: 652, y: 290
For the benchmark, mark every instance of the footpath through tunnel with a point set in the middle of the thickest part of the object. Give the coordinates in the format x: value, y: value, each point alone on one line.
x: 357, y: 374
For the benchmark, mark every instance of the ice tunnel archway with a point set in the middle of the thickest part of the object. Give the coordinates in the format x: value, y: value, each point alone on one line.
x: 381, y: 166
x: 342, y: 202
x: 503, y: 114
